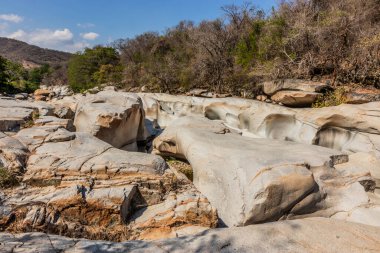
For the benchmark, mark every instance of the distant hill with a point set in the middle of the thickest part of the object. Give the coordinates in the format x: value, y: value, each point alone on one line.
x: 31, y: 56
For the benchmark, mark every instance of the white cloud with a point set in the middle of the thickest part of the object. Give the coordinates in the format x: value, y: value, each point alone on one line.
x: 85, y: 25
x: 3, y: 26
x: 43, y: 36
x: 18, y: 35
x: 89, y: 36
x: 77, y: 46
x: 55, y: 39
x: 11, y: 18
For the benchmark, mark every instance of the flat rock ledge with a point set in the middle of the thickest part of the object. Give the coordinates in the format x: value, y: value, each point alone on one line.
x: 305, y: 235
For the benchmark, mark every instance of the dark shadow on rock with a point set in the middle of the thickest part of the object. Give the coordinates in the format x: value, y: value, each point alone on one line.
x: 154, y: 130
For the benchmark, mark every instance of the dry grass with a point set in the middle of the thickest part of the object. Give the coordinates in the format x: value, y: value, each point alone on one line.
x: 7, y: 179
x: 333, y: 98
x: 181, y: 166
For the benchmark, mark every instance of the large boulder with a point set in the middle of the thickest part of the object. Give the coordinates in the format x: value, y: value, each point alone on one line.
x: 295, y: 98
x: 271, y: 87
x: 244, y: 180
x: 98, y: 209
x: 70, y: 102
x: 43, y: 94
x: 305, y: 235
x: 116, y: 118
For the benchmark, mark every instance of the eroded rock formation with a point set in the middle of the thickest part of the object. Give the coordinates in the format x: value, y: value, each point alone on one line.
x: 75, y: 184
x: 252, y: 162
x: 255, y: 180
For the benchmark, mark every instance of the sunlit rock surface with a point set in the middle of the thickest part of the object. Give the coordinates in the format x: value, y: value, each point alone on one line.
x: 252, y: 162
x: 305, y: 235
x: 116, y: 118
x: 79, y: 186
x: 254, y: 180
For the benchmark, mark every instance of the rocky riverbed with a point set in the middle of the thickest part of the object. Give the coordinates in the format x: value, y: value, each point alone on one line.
x: 93, y: 173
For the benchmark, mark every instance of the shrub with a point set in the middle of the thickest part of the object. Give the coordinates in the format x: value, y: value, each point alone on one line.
x: 332, y: 98
x: 7, y: 178
x: 181, y: 166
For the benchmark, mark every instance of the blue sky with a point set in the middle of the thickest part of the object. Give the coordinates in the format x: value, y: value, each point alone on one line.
x: 71, y: 25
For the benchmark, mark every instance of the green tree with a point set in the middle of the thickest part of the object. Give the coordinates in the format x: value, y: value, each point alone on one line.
x: 4, y: 77
x: 36, y: 75
x: 247, y: 50
x: 3, y: 72
x: 94, y: 66
x: 23, y: 80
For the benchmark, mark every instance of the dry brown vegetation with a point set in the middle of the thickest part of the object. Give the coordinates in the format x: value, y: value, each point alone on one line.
x: 338, y: 40
x: 7, y: 178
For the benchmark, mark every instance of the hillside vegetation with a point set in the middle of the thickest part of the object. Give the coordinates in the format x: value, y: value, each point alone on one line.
x: 338, y: 40
x: 327, y: 40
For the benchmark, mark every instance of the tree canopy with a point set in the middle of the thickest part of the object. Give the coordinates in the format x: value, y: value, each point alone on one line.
x: 94, y: 66
x: 3, y: 73
x: 15, y: 78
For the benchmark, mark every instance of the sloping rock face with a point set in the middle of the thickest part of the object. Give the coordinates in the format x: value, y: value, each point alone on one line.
x: 286, y: 236
x: 116, y: 118
x: 258, y: 180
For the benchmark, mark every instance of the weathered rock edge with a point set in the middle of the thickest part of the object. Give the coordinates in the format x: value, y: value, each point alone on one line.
x: 306, y: 235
